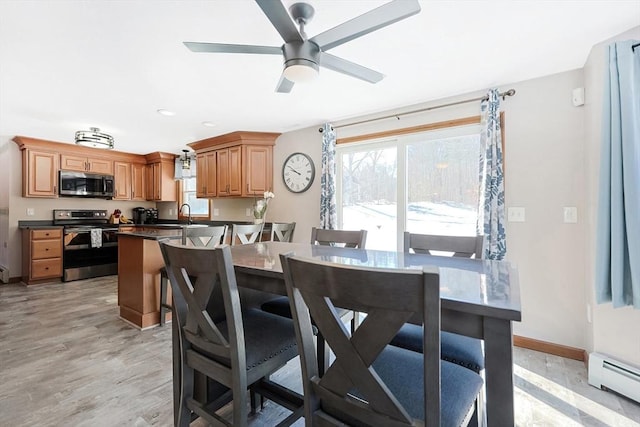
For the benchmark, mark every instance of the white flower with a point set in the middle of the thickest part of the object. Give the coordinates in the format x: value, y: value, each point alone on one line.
x: 268, y: 195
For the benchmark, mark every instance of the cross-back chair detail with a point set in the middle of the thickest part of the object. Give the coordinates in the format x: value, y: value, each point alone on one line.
x: 346, y: 238
x: 461, y: 246
x: 202, y: 237
x: 282, y: 232
x: 218, y: 340
x: 245, y: 233
x: 358, y: 387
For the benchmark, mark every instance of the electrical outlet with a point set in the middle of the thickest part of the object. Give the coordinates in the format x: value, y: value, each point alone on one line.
x: 170, y: 211
x: 31, y: 212
x: 571, y: 214
x: 515, y: 214
x: 248, y: 212
x: 216, y: 212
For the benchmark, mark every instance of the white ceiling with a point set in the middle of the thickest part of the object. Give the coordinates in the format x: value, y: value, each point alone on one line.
x: 71, y: 65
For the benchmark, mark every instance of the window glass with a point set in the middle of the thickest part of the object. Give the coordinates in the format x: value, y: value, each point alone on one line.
x: 199, y: 207
x: 423, y: 183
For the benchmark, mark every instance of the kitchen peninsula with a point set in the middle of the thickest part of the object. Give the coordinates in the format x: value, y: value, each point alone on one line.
x: 139, y: 264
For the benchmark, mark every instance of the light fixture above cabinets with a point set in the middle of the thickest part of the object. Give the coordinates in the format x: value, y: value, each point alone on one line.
x: 94, y: 138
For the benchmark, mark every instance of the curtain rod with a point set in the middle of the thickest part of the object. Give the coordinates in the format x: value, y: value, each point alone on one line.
x: 510, y: 92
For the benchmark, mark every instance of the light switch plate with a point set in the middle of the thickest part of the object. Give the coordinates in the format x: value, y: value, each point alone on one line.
x: 31, y: 212
x: 216, y: 212
x: 515, y: 214
x: 570, y: 214
x: 248, y: 212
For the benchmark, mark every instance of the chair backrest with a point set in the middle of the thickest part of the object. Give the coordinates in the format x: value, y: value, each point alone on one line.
x: 461, y: 246
x: 245, y: 233
x: 207, y: 237
x: 205, y: 291
x: 282, y: 232
x: 346, y: 238
x: 350, y: 390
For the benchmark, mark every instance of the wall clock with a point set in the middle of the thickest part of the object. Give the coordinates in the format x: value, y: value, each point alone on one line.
x: 298, y: 172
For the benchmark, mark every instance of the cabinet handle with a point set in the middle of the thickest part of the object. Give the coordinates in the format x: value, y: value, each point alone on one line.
x: 46, y: 268
x: 54, y: 189
x: 46, y: 234
x: 46, y: 249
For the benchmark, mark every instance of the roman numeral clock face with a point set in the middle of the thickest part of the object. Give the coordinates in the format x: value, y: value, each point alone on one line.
x: 298, y: 172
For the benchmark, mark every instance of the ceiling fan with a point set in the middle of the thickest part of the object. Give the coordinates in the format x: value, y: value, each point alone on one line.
x: 303, y: 56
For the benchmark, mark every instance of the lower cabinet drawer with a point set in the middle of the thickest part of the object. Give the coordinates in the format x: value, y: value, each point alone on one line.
x: 46, y: 249
x: 43, y: 268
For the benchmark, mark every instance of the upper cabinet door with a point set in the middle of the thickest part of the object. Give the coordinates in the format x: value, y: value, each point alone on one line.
x: 138, y: 182
x: 222, y: 173
x: 206, y: 174
x: 258, y: 169
x: 122, y: 178
x: 235, y: 171
x: 40, y: 174
x: 100, y: 166
x: 86, y: 164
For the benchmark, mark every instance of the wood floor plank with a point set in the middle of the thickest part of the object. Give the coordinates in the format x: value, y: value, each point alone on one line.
x: 66, y: 359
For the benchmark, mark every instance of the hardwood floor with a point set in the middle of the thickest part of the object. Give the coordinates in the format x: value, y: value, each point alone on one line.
x: 66, y: 359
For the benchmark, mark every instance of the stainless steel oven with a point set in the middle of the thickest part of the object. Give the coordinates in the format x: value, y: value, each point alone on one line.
x: 90, y: 244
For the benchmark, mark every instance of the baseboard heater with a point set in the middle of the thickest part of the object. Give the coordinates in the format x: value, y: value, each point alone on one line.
x: 608, y: 373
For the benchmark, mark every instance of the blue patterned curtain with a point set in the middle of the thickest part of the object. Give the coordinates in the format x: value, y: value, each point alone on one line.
x: 328, y: 212
x: 491, y: 218
x: 618, y: 233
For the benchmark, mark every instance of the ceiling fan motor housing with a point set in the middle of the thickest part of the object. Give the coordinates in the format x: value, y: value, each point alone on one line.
x: 301, y: 53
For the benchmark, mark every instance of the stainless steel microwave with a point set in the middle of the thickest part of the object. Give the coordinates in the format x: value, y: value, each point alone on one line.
x: 80, y: 184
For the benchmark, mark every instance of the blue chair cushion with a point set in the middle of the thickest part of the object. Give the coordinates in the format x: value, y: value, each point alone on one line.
x: 402, y: 372
x: 266, y: 337
x: 454, y: 348
x: 281, y: 307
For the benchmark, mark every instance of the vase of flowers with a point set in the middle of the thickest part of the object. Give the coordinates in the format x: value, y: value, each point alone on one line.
x: 260, y: 207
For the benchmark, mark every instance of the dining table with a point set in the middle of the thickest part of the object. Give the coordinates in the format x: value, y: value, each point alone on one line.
x: 479, y: 299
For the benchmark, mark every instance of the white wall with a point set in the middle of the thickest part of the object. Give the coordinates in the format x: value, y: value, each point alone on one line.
x: 614, y: 331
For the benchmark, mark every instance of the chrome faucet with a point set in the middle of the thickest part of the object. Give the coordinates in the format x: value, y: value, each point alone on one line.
x: 189, y: 222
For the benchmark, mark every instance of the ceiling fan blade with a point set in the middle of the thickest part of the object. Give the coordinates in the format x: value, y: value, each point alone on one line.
x: 232, y: 48
x: 366, y: 23
x: 284, y: 85
x: 349, y: 68
x: 279, y: 17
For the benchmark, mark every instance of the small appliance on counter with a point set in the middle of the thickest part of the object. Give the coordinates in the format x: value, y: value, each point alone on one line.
x: 151, y: 216
x: 139, y: 215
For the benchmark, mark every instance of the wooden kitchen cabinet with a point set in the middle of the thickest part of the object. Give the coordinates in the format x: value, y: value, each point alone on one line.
x: 40, y: 173
x: 244, y: 164
x: 229, y: 173
x: 122, y: 181
x: 138, y: 181
x: 41, y: 255
x: 206, y: 174
x: 161, y: 185
x: 86, y: 164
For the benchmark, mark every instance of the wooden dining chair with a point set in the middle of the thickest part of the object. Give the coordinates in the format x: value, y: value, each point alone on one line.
x: 196, y: 236
x: 224, y: 349
x: 281, y: 305
x: 459, y: 349
x: 344, y: 238
x: 369, y: 382
x: 282, y: 232
x: 244, y: 234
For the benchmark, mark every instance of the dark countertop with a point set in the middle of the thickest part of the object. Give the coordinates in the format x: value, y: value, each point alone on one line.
x: 154, y: 234
x: 37, y: 226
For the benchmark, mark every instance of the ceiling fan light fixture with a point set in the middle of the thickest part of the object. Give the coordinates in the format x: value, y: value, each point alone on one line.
x: 301, y: 70
x: 94, y: 138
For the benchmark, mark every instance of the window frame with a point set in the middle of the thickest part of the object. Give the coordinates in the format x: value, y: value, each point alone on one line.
x: 400, y: 139
x: 181, y: 200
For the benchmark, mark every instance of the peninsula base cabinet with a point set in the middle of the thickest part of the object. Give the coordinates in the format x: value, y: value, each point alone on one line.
x: 41, y: 255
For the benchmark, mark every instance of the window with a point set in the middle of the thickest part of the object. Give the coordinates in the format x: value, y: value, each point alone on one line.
x: 425, y: 182
x: 199, y: 207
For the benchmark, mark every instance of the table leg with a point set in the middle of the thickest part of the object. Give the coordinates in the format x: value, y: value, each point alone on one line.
x: 175, y: 349
x: 498, y: 347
